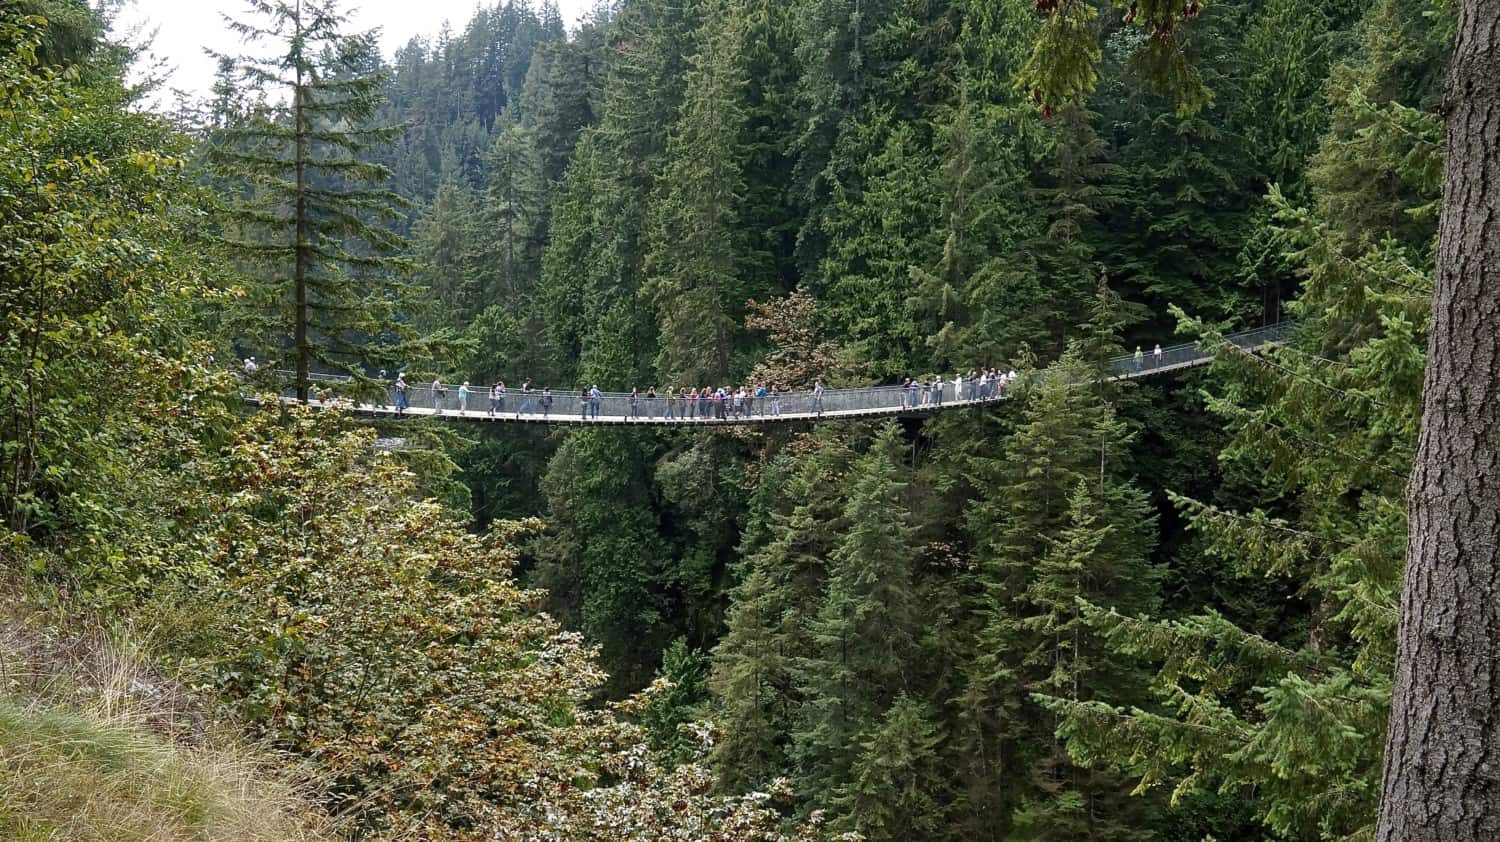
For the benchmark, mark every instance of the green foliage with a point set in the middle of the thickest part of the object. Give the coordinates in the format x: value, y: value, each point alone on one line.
x: 603, y: 558
x: 893, y: 792
x: 864, y: 637
x: 668, y: 713
x: 1328, y: 424
x: 794, y: 524
x: 305, y: 220
x: 696, y: 257
x: 102, y: 386
x: 1063, y: 67
x: 363, y: 628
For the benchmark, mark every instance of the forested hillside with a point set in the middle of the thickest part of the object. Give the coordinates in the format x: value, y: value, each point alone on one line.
x: 1163, y: 608
x: 1189, y: 583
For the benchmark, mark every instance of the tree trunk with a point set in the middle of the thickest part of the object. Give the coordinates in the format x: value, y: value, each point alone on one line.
x: 299, y: 271
x: 1442, y: 756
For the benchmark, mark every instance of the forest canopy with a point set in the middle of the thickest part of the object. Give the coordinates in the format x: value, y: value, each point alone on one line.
x: 1112, y: 609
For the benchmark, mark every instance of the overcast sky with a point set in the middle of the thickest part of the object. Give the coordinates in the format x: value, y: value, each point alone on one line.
x: 185, y: 27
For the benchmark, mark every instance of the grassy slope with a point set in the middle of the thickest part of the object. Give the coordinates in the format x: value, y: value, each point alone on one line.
x: 96, y: 745
x: 75, y: 776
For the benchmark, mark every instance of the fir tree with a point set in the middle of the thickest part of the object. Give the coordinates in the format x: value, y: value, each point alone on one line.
x: 864, y: 639
x: 895, y: 790
x: 792, y: 531
x: 695, y: 249
x: 306, y: 221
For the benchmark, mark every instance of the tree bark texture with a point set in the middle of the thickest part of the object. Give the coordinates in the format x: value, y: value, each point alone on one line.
x: 1442, y: 758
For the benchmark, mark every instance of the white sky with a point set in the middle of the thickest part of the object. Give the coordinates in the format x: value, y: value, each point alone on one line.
x: 186, y: 27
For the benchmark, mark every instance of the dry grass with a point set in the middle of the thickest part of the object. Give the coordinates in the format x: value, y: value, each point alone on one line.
x: 96, y: 745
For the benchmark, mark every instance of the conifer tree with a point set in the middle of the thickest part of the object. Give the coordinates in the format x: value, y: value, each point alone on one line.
x: 1328, y: 428
x: 443, y: 245
x: 895, y: 790
x: 755, y: 665
x: 1059, y: 521
x: 306, y: 221
x: 695, y: 258
x: 864, y: 638
x: 514, y: 213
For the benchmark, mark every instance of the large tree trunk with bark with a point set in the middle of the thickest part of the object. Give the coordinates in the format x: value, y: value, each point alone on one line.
x: 1442, y: 756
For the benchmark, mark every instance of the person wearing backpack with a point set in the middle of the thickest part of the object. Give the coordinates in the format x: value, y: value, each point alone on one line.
x: 400, y: 389
x: 439, y: 396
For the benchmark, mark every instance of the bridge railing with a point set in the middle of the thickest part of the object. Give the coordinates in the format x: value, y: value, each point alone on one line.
x: 540, y: 404
x: 1191, y: 353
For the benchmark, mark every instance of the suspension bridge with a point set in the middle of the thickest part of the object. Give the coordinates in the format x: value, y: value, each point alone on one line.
x: 579, y: 408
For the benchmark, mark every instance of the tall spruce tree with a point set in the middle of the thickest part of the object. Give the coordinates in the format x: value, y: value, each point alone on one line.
x: 1059, y: 521
x: 695, y: 255
x: 865, y: 638
x: 306, y: 218
x: 792, y: 530
x: 1295, y: 711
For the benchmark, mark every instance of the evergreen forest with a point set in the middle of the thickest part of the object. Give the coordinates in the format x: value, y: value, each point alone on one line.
x: 1256, y: 599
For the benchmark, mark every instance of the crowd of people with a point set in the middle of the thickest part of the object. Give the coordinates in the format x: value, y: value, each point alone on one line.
x: 707, y: 403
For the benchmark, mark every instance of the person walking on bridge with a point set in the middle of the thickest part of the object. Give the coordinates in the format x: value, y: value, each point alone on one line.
x: 635, y: 399
x: 546, y: 401
x: 690, y: 404
x: 671, y: 403
x: 400, y: 389
x: 463, y: 398
x: 439, y: 396
x: 1157, y: 355
x: 596, y: 397
x: 817, y: 394
x: 775, y: 402
x: 651, y: 402
x: 583, y: 402
x: 1140, y: 358
x: 525, y: 398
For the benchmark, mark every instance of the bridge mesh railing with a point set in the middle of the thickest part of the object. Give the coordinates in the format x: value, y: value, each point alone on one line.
x: 572, y: 404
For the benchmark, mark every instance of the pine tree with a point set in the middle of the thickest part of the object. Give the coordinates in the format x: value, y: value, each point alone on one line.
x: 875, y: 239
x: 895, y: 787
x: 515, y: 217
x: 444, y: 250
x: 696, y: 252
x: 1058, y: 521
x: 792, y: 530
x: 1327, y: 428
x: 306, y: 221
x: 864, y: 639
